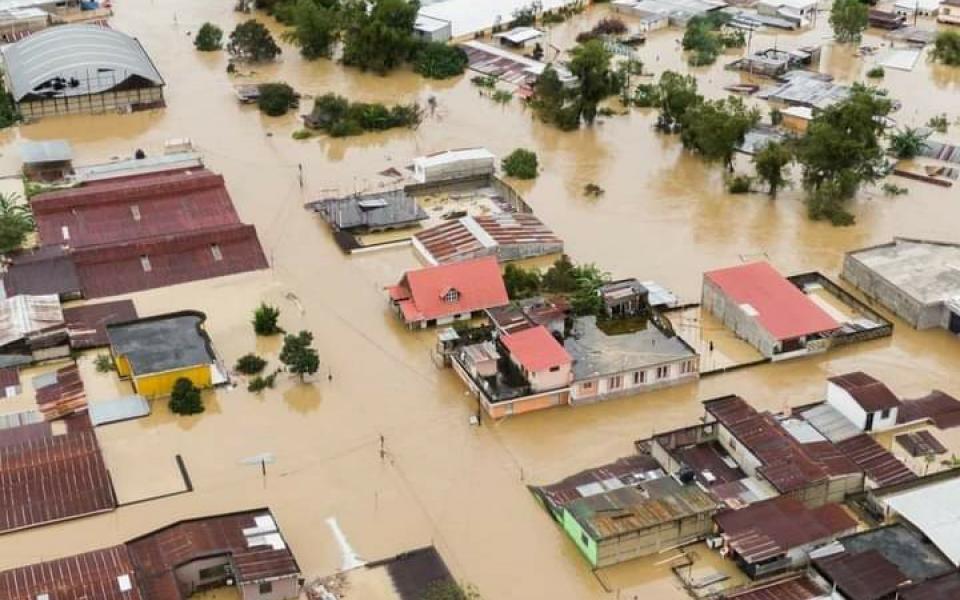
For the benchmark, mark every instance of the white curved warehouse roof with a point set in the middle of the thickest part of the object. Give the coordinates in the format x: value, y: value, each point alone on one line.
x: 87, y: 58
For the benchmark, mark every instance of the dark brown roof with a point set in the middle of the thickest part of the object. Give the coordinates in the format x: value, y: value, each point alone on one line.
x: 869, y: 393
x: 47, y: 270
x: 156, y: 555
x: 937, y: 406
x: 87, y: 324
x: 794, y: 588
x: 119, y: 268
x: 876, y: 461
x: 862, y: 576
x: 945, y: 587
x: 46, y: 478
x: 770, y: 528
x: 920, y: 443
x: 62, y: 396
x: 412, y: 573
x: 92, y: 576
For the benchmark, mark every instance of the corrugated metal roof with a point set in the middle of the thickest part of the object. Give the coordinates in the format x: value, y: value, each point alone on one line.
x: 46, y: 270
x: 876, y: 461
x: 96, y: 574
x: 862, y: 576
x: 795, y: 588
x: 871, y: 394
x: 373, y: 211
x: 21, y: 316
x: 934, y: 509
x: 453, y: 289
x: 118, y: 409
x: 87, y: 324
x: 46, y: 152
x: 97, y: 59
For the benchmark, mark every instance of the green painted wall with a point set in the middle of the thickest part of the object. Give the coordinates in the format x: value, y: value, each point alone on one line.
x: 577, y: 534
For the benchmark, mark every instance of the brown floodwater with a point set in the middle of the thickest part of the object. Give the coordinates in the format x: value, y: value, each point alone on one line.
x: 664, y: 216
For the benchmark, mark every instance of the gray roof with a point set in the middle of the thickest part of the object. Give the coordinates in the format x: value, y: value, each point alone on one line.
x: 162, y: 343
x: 97, y: 58
x: 595, y: 353
x: 927, y: 271
x: 917, y: 558
x: 52, y: 151
x: 375, y: 210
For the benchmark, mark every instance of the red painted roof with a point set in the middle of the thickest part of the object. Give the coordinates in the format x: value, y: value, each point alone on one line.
x: 119, y: 210
x: 536, y: 349
x: 478, y: 285
x: 119, y: 269
x: 91, y: 575
x: 782, y: 309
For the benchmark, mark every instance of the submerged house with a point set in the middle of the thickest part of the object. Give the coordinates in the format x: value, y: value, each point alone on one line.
x: 451, y: 165
x: 377, y: 211
x: 443, y: 294
x: 949, y: 12
x: 73, y: 69
x: 154, y: 352
x: 508, y: 236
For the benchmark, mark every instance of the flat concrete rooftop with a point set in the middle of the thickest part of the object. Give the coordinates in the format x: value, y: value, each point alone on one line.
x: 929, y: 272
x: 595, y: 353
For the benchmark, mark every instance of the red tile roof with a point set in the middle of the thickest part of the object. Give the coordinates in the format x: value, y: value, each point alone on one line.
x: 782, y: 309
x: 477, y: 283
x: 91, y: 575
x: 157, y: 555
x: 767, y: 529
x: 118, y: 269
x: 46, y: 478
x: 536, y: 349
x: 119, y: 210
x: 869, y: 393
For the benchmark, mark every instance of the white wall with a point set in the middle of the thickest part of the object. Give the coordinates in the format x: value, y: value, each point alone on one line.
x: 603, y: 388
x: 283, y: 589
x: 840, y: 399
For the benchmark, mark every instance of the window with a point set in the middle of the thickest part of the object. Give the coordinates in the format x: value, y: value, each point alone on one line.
x: 555, y: 369
x: 215, y: 250
x: 451, y: 296
x: 885, y: 414
x: 663, y: 372
x: 639, y: 377
x: 586, y: 386
x: 135, y: 211
x: 266, y: 587
x: 616, y: 382
x: 145, y: 263
x: 585, y: 539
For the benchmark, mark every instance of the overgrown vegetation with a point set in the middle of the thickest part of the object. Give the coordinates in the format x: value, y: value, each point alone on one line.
x: 341, y: 118
x: 298, y: 354
x: 707, y: 36
x: 378, y: 35
x: 908, y: 142
x: 521, y: 163
x: 714, y: 128
x: 849, y: 19
x: 8, y: 109
x: 185, y: 398
x: 578, y: 283
x: 892, y: 189
x: 946, y: 47
x: 104, y: 363
x: 739, y: 184
x: 261, y: 382
x: 939, y: 123
x: 450, y: 590
x: 249, y: 364
x: 567, y: 106
x: 608, y: 26
x: 440, y: 61
x: 876, y: 73
x: 251, y: 41
x: 209, y: 38
x: 16, y: 222
x: 316, y: 26
x: 266, y: 320
x: 276, y: 99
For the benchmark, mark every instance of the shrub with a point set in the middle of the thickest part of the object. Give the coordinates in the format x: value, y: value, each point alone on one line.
x: 340, y: 118
x: 249, y: 364
x: 436, y: 60
x: 521, y: 164
x: 299, y: 355
x: 104, y: 363
x: 593, y: 190
x: 891, y: 189
x: 260, y: 383
x: 739, y: 184
x: 502, y: 97
x: 939, y: 123
x: 185, y: 398
x: 876, y: 73
x: 301, y: 134
x: 484, y: 81
x: 209, y: 38
x: 276, y: 99
x: 265, y: 319
x: 8, y: 110
x: 946, y: 48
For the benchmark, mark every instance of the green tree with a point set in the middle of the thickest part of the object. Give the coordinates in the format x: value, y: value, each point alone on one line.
x: 315, y: 29
x: 185, y: 398
x: 550, y: 101
x: 674, y: 96
x: 596, y: 81
x: 265, y: 320
x: 8, y: 109
x: 521, y: 283
x: 705, y: 37
x: 946, y: 48
x: 849, y: 19
x: 841, y: 151
x: 249, y: 364
x: 908, y: 142
x: 276, y: 99
x: 440, y: 61
x: 299, y: 355
x: 769, y: 162
x: 521, y: 163
x: 715, y: 128
x: 209, y: 38
x: 252, y: 41
x: 16, y: 222
x: 379, y: 34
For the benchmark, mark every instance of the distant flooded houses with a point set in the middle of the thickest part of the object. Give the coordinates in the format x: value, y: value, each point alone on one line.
x: 74, y: 69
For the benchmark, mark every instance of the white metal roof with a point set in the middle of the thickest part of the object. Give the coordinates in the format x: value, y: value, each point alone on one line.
x: 453, y: 156
x: 470, y: 16
x: 520, y: 35
x: 87, y: 58
x: 935, y: 510
x: 46, y: 151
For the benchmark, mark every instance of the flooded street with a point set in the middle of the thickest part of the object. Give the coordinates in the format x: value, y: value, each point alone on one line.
x: 665, y: 216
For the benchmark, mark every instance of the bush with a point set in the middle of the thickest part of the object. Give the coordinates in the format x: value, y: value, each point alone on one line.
x: 521, y: 164
x: 8, y: 110
x: 299, y: 355
x: 260, y: 383
x: 502, y: 97
x: 891, y: 189
x: 593, y: 190
x: 739, y: 184
x: 185, y: 398
x: 276, y: 99
x: 209, y: 38
x: 340, y: 118
x: 301, y: 134
x: 939, y: 123
x: 946, y: 48
x: 610, y: 26
x: 249, y: 364
x: 440, y: 61
x: 104, y: 363
x: 876, y: 73
x: 484, y: 81
x: 265, y: 319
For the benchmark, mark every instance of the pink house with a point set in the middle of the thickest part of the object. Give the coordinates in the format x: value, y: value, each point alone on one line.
x: 544, y: 362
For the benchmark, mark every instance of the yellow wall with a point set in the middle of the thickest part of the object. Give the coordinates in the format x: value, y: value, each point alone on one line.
x: 123, y: 366
x: 161, y: 384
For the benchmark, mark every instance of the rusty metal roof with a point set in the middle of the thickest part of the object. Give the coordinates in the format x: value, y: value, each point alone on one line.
x: 937, y: 406
x: 876, y: 461
x: 62, y: 395
x: 471, y: 237
x: 46, y: 270
x: 940, y: 588
x: 631, y: 468
x: 793, y: 588
x: 87, y: 324
x: 105, y: 574
x: 46, y: 478
x: 869, y: 393
x: 21, y: 316
x: 256, y: 553
x: 862, y: 576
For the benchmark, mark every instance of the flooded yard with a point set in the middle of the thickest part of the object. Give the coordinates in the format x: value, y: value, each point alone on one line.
x: 665, y: 216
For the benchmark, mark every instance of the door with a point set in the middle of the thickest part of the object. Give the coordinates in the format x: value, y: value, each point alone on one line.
x: 955, y: 322
x: 869, y: 425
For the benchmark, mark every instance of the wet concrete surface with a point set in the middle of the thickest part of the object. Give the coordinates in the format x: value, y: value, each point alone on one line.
x: 664, y: 216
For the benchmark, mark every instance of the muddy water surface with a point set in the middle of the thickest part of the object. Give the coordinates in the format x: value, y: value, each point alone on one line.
x: 664, y: 216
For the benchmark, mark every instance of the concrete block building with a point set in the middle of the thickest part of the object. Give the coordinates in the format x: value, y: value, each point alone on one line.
x: 918, y: 280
